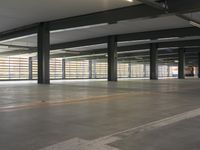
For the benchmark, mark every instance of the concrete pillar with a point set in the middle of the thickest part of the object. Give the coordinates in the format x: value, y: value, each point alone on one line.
x: 144, y: 70
x: 129, y: 69
x: 168, y: 70
x: 90, y: 69
x: 63, y: 68
x: 43, y: 53
x: 112, y: 58
x: 30, y: 67
x: 181, y: 64
x: 153, y: 61
x: 94, y: 69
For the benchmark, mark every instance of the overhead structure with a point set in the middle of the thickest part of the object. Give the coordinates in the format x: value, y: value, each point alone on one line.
x: 138, y: 40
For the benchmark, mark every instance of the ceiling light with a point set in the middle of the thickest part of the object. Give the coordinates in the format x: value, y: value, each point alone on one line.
x: 130, y: 1
x: 18, y: 38
x: 195, y: 24
x: 83, y: 56
x: 176, y: 61
x: 3, y: 47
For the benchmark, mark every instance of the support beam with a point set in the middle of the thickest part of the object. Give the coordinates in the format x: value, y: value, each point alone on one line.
x: 43, y: 53
x: 112, y: 58
x: 79, y: 43
x: 18, y: 32
x: 183, y: 6
x: 181, y: 64
x: 163, y: 44
x: 153, y: 61
x: 108, y: 16
x: 178, y: 32
x: 63, y: 68
x: 30, y: 66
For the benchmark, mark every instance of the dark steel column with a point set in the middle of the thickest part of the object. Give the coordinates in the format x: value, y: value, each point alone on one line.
x: 198, y: 65
x: 43, y: 53
x: 30, y: 67
x: 168, y: 70
x: 129, y: 69
x: 63, y: 68
x: 153, y: 61
x: 181, y: 64
x: 90, y: 69
x: 112, y: 58
x: 94, y: 69
x: 145, y: 70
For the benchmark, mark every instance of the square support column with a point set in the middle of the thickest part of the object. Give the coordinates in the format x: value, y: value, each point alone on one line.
x: 112, y: 58
x: 153, y: 61
x: 198, y: 65
x: 181, y: 64
x: 43, y: 53
x: 90, y: 69
x: 168, y: 70
x: 144, y: 70
x: 129, y: 69
x: 94, y: 69
x: 30, y: 68
x: 63, y: 68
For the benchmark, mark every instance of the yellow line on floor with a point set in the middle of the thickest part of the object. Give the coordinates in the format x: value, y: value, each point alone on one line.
x: 39, y: 104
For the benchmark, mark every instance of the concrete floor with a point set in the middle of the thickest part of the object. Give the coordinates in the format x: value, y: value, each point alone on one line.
x: 97, y: 115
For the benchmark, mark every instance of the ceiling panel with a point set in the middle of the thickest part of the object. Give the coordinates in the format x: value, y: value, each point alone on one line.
x: 15, y: 13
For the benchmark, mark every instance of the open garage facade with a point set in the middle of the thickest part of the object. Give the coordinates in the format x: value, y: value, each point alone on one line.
x: 22, y: 68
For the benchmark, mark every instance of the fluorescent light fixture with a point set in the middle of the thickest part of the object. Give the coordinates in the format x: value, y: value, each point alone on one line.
x: 18, y: 38
x: 3, y: 47
x: 90, y: 47
x: 83, y: 56
x: 171, y: 38
x: 195, y: 24
x: 176, y: 61
x: 79, y: 28
x: 130, y: 1
x: 136, y: 41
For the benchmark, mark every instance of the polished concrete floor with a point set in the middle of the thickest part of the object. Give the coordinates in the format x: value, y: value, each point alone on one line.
x: 100, y: 115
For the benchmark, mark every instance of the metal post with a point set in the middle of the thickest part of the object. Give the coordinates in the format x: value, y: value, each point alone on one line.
x: 43, y: 53
x: 145, y: 70
x: 63, y: 68
x: 168, y: 70
x: 30, y: 66
x: 90, y: 69
x: 153, y: 61
x: 129, y: 69
x: 94, y: 69
x: 181, y: 64
x: 198, y: 65
x: 112, y: 58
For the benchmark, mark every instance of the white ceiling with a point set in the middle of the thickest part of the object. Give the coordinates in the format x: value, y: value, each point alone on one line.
x: 15, y: 13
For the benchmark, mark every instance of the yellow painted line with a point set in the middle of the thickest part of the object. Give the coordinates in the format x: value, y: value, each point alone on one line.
x: 69, y: 101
